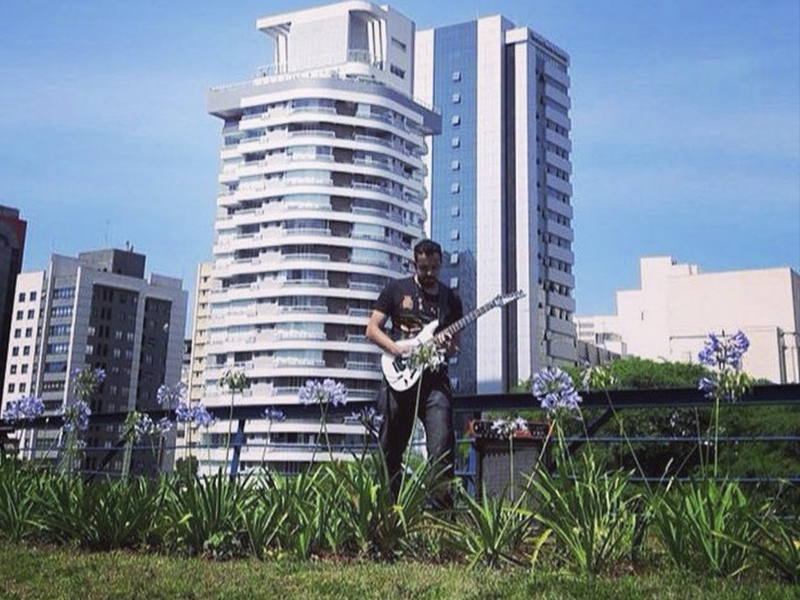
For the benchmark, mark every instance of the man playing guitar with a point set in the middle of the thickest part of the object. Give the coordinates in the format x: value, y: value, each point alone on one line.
x: 411, y: 303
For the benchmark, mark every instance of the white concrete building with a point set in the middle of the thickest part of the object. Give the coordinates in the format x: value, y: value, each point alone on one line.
x: 501, y: 193
x: 321, y: 200
x: 677, y: 306
x: 202, y: 318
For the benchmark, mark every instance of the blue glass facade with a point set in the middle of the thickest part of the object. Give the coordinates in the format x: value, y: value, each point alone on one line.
x: 453, y: 182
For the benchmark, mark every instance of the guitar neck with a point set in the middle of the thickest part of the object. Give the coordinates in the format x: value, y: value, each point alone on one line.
x: 464, y: 321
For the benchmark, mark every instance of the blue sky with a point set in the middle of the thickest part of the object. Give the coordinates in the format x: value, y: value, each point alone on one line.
x: 686, y: 126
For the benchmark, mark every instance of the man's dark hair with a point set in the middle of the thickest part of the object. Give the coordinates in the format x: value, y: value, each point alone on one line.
x: 427, y: 248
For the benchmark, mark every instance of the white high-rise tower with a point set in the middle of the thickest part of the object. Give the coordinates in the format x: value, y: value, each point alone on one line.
x: 320, y: 202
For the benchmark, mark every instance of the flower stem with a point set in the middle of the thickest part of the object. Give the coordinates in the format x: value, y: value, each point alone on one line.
x: 716, y: 433
x: 230, y: 428
x: 511, y: 463
x: 627, y: 440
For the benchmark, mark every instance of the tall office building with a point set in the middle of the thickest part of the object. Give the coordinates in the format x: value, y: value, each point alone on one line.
x: 12, y: 246
x: 96, y: 310
x: 500, y: 192
x: 321, y: 200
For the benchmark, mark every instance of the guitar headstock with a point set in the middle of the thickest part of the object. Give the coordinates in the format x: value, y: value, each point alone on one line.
x: 503, y: 299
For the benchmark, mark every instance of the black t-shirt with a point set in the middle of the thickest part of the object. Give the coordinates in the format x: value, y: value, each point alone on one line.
x: 411, y: 308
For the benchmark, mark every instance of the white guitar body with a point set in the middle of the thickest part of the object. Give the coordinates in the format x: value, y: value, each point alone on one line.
x: 398, y: 374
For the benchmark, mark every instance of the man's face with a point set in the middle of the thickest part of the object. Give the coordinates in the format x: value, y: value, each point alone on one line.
x: 427, y: 267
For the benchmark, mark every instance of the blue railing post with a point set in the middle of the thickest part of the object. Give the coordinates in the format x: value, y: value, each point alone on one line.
x: 238, y: 441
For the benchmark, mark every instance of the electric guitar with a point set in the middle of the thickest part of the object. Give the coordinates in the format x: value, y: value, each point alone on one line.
x: 401, y: 375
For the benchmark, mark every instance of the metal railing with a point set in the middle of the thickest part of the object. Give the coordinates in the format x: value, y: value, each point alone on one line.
x: 603, y: 407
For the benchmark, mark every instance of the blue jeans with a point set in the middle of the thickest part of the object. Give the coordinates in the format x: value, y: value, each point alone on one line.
x: 436, y: 413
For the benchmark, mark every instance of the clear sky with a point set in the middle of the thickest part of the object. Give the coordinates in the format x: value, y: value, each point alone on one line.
x: 686, y: 125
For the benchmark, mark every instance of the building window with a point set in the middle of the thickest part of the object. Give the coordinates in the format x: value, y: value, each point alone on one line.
x: 454, y: 234
x: 456, y: 75
x: 456, y: 98
x: 22, y: 297
x: 60, y: 329
x: 397, y: 71
x: 15, y: 351
x: 454, y: 282
x: 58, y: 348
x: 61, y: 311
x: 454, y: 258
x: 56, y: 367
x: 23, y: 369
x: 31, y: 313
x: 32, y: 296
x: 455, y: 187
x: 19, y: 315
x: 13, y: 369
x: 18, y: 333
x: 26, y: 350
x: 23, y: 387
x: 455, y: 165
x: 455, y: 210
x: 398, y: 44
x: 11, y: 388
x: 455, y: 142
x: 28, y: 332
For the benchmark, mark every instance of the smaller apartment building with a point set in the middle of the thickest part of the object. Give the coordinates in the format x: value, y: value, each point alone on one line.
x: 676, y: 307
x: 96, y: 310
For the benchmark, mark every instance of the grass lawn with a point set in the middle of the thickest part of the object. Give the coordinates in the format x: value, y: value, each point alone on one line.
x: 49, y: 573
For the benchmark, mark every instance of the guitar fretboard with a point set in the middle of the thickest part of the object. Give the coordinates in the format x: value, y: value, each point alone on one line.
x: 475, y: 314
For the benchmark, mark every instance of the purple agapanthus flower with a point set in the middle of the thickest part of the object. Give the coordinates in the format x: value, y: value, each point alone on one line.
x: 164, y: 426
x: 75, y: 414
x: 368, y: 417
x: 169, y: 396
x: 193, y: 414
x: 326, y: 392
x: 274, y: 414
x: 143, y: 427
x: 724, y: 357
x: 201, y: 417
x: 721, y: 353
x: 23, y: 409
x: 86, y: 381
x: 707, y: 385
x: 555, y: 390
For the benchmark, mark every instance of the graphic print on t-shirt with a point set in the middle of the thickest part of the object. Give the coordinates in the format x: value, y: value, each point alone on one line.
x: 410, y: 308
x: 414, y: 312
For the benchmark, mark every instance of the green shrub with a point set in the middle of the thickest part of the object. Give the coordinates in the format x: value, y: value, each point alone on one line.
x: 591, y: 512
x: 697, y: 521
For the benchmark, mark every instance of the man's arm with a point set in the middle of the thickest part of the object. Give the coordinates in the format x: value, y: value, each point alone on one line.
x: 377, y: 335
